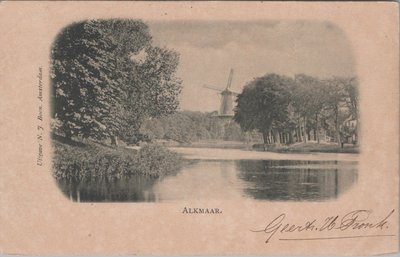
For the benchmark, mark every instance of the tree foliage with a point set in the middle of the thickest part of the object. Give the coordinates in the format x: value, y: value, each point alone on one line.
x: 190, y: 126
x: 285, y: 109
x: 263, y: 104
x: 107, y: 77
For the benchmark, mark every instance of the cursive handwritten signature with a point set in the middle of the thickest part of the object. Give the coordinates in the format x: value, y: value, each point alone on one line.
x: 354, y: 220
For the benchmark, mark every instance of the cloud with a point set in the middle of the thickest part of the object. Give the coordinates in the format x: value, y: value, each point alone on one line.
x: 202, y: 34
x: 209, y: 49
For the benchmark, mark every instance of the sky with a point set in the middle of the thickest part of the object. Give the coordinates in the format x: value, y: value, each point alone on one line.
x: 209, y: 49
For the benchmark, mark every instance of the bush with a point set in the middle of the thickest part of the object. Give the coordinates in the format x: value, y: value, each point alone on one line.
x: 156, y: 160
x: 94, y: 161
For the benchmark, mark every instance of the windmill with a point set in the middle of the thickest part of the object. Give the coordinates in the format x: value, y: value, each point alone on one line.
x: 226, y: 107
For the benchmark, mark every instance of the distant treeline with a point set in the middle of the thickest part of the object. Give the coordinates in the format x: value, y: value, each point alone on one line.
x: 189, y: 126
x: 274, y: 108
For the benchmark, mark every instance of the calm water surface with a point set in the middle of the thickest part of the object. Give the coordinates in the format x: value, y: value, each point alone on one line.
x: 272, y: 180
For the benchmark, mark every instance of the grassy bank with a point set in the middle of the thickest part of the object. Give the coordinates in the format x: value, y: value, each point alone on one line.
x: 91, y: 160
x: 310, y: 148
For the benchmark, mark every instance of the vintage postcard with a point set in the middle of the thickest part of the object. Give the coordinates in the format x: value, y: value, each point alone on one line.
x: 199, y: 128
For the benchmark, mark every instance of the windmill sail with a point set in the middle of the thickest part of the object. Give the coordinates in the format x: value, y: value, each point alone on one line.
x: 228, y: 86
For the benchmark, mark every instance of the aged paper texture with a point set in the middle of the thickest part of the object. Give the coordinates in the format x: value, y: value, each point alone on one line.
x: 199, y: 128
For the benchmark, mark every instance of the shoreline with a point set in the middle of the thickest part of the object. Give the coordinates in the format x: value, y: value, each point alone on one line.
x: 241, y: 154
x: 304, y: 148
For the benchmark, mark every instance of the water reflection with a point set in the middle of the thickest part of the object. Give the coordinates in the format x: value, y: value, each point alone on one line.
x: 296, y: 180
x: 273, y: 180
x: 130, y: 189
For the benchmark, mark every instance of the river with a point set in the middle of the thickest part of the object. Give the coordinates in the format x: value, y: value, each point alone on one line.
x: 231, y: 174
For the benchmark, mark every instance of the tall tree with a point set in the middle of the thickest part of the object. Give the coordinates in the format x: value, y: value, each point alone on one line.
x: 335, y: 103
x: 352, y: 99
x: 101, y: 86
x: 263, y: 105
x: 153, y: 88
x: 84, y: 90
x: 309, y: 97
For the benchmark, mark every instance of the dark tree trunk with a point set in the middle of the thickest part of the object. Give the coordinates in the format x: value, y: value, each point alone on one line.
x: 298, y: 131
x: 316, y: 131
x: 114, y: 140
x: 276, y: 137
x: 271, y: 136
x: 337, y: 132
x: 68, y: 135
x: 291, y: 137
x: 300, y: 138
x: 305, y: 130
x: 315, y: 134
x: 265, y: 139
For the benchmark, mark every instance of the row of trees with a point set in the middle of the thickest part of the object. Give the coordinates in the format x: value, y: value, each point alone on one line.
x: 107, y: 78
x: 287, y: 110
